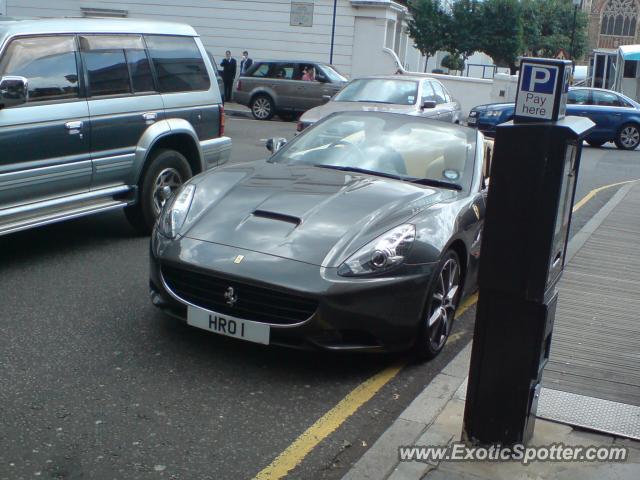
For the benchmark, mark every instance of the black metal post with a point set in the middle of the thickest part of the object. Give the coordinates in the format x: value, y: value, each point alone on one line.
x: 573, y: 30
x: 333, y: 30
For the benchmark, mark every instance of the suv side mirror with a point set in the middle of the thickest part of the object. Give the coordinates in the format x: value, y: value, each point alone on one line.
x: 428, y: 104
x: 13, y: 91
x: 275, y: 144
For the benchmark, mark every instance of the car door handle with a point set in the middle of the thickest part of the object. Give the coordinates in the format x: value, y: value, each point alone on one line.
x: 150, y: 116
x: 77, y: 125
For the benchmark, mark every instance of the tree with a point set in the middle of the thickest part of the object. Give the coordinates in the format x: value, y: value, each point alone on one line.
x: 453, y: 62
x: 502, y: 32
x: 550, y: 24
x: 465, y: 28
x: 427, y: 26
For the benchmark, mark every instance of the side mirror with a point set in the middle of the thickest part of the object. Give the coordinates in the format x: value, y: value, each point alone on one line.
x: 13, y: 91
x: 428, y: 104
x: 275, y: 144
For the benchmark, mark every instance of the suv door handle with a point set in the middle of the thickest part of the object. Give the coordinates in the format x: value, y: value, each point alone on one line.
x: 150, y: 116
x: 77, y: 125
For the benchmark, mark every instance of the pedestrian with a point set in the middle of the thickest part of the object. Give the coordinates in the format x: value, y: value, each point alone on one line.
x: 228, y: 74
x: 245, y: 63
x: 309, y: 74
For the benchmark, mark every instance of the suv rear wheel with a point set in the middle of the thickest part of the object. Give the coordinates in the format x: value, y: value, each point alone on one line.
x: 262, y: 107
x: 165, y: 172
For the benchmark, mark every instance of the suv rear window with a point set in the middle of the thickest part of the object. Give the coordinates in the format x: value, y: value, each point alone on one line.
x: 49, y: 63
x: 116, y: 64
x: 178, y: 63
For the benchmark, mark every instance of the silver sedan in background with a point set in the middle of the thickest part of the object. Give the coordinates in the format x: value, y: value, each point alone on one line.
x: 413, y: 95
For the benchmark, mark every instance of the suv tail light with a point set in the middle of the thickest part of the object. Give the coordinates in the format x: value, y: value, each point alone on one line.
x: 221, y: 132
x: 239, y: 86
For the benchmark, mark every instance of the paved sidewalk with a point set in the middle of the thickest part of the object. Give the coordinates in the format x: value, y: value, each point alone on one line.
x: 434, y: 418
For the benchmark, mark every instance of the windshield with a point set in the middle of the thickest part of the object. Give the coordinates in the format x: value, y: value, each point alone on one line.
x: 389, y: 144
x: 333, y: 74
x: 380, y: 90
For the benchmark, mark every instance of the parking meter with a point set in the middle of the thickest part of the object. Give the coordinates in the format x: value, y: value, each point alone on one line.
x: 531, y: 192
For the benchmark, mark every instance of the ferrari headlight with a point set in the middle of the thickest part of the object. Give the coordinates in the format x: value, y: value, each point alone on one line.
x: 175, y: 211
x: 385, y: 252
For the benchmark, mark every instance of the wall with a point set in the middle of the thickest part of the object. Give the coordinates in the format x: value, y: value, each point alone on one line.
x: 261, y: 27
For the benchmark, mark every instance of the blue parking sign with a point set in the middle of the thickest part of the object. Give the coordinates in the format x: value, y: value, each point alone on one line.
x: 542, y: 89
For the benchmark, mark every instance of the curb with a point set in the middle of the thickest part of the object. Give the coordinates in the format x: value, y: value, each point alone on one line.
x: 238, y: 113
x: 381, y: 460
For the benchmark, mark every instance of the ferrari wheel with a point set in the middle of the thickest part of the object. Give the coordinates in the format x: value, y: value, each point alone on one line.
x: 441, y: 306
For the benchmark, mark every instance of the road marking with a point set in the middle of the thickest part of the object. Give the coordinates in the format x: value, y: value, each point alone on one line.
x: 334, y: 418
x: 330, y: 421
x: 595, y: 191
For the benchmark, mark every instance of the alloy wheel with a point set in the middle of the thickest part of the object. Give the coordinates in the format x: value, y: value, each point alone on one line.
x: 166, y: 184
x: 261, y: 108
x: 630, y: 137
x: 443, y: 304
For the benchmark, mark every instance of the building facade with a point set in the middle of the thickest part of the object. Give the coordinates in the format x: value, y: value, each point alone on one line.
x: 613, y: 23
x: 370, y: 36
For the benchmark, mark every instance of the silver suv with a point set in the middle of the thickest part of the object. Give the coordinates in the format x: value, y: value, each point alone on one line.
x: 287, y: 88
x: 99, y: 114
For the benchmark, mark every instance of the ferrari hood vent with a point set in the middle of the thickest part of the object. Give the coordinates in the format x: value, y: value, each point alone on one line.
x: 277, y: 216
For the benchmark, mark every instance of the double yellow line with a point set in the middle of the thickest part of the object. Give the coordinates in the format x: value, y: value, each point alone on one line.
x: 330, y: 421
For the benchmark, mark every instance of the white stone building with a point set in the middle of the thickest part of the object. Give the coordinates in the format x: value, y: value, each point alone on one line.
x: 369, y: 37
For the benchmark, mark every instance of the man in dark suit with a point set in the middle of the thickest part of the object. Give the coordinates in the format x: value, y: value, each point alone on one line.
x: 245, y: 63
x: 228, y: 74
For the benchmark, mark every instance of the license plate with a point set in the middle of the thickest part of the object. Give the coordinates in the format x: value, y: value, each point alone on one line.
x: 228, y: 325
x: 472, y: 120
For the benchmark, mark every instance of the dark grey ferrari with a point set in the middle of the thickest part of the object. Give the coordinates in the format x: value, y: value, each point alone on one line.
x: 363, y: 233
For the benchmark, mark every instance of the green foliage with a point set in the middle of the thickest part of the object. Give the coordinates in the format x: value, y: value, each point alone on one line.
x: 503, y: 29
x: 502, y: 32
x: 453, y: 62
x: 428, y: 25
x: 466, y: 27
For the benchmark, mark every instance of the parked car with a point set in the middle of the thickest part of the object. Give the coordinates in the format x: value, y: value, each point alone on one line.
x: 398, y: 93
x: 277, y: 87
x: 616, y: 116
x: 363, y: 233
x: 100, y: 114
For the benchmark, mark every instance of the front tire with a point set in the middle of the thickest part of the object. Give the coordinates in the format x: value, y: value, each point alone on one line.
x: 440, y: 310
x: 164, y: 173
x: 628, y: 137
x: 262, y: 107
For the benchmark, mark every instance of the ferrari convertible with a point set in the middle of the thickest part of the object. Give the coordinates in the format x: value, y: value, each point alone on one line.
x: 363, y: 233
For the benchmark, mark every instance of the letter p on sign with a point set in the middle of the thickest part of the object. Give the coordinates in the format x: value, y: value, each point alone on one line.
x: 539, y: 78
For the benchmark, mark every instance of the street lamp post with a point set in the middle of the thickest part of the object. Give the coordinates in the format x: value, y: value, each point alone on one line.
x: 576, y: 4
x: 333, y: 31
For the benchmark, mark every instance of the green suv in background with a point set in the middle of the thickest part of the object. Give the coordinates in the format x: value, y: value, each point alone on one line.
x: 100, y: 114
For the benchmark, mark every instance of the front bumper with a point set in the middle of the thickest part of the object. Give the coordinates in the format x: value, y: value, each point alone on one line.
x: 372, y: 314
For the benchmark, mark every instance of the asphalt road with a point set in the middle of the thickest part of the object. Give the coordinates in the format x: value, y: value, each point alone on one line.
x: 95, y: 383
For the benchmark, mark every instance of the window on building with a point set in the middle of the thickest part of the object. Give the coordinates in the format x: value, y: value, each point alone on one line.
x: 178, y: 63
x: 49, y: 63
x: 630, y: 68
x: 619, y: 17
